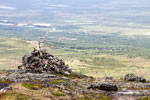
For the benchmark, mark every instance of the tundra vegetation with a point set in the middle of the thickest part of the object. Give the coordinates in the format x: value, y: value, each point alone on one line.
x: 98, y: 54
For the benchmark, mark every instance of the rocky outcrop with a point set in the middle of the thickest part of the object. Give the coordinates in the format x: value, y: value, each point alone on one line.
x: 134, y: 78
x: 27, y: 77
x: 104, y: 86
x: 39, y: 61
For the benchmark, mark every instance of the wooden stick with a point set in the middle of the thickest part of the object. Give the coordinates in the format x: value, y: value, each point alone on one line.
x: 42, y: 41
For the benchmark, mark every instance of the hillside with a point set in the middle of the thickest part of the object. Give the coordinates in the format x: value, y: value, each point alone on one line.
x: 99, y: 36
x: 43, y: 76
x: 95, y: 50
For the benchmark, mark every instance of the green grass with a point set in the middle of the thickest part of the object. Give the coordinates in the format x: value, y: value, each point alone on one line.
x: 87, y: 97
x: 143, y: 98
x: 32, y: 86
x: 102, y: 97
x: 58, y: 93
x: 70, y: 88
x: 72, y: 75
x: 84, y: 97
x: 57, y: 81
x: 107, y: 62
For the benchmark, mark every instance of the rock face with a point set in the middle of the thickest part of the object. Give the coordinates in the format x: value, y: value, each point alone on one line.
x: 39, y: 61
x: 104, y: 86
x: 18, y: 76
x: 133, y: 77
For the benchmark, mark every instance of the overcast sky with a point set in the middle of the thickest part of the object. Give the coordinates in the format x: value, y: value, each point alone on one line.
x: 22, y: 4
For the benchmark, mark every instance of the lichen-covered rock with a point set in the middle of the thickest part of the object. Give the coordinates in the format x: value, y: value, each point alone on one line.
x: 26, y: 77
x: 133, y: 77
x: 39, y: 61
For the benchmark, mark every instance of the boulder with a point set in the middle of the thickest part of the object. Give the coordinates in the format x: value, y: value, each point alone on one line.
x: 109, y: 78
x: 134, y: 78
x: 3, y: 85
x: 104, y: 86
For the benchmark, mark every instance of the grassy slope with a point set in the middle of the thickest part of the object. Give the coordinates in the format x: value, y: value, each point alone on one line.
x: 12, y: 49
x: 82, y: 54
x: 89, y: 63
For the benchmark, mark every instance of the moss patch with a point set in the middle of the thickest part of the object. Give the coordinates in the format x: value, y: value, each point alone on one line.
x: 143, y: 98
x: 70, y: 88
x: 14, y: 96
x: 5, y: 81
x: 58, y: 93
x: 32, y: 86
x: 102, y: 97
x: 57, y: 81
x: 72, y: 75
x: 84, y: 97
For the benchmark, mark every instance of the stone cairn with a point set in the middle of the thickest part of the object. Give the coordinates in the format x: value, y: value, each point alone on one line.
x: 39, y: 61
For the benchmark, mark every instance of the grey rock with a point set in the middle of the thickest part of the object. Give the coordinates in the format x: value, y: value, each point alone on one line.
x: 134, y: 78
x: 17, y: 77
x: 104, y: 86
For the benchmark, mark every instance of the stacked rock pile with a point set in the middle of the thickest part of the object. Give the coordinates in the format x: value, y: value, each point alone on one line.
x: 39, y: 61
